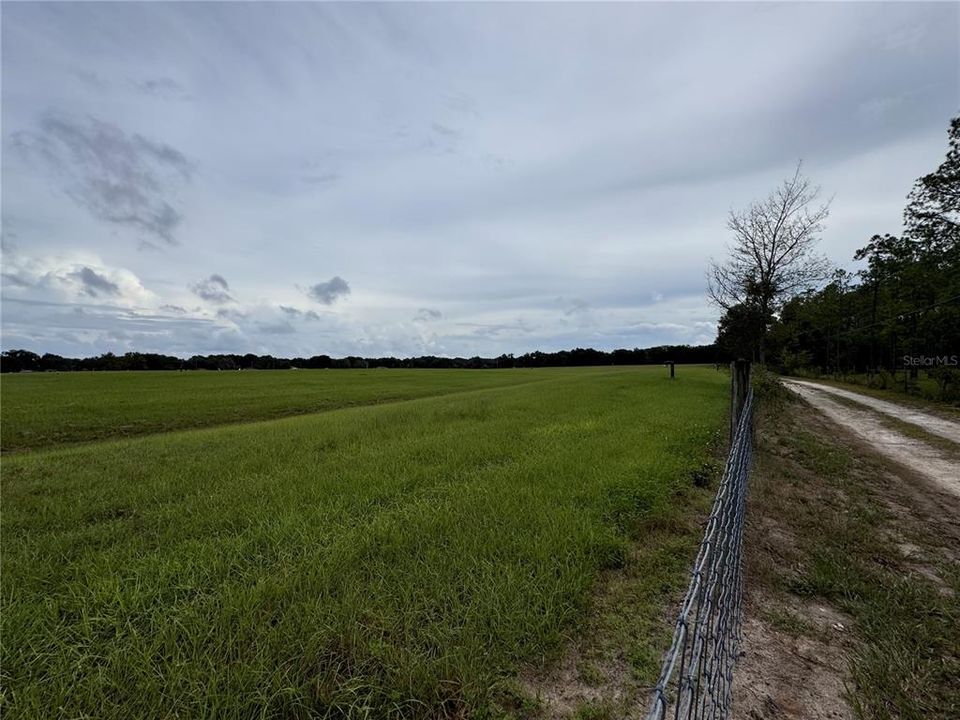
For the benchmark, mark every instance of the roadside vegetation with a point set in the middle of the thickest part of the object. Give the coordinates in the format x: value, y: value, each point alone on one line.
x: 401, y: 559
x: 834, y: 532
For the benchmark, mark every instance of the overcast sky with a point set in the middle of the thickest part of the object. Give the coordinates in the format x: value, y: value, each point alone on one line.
x: 435, y: 179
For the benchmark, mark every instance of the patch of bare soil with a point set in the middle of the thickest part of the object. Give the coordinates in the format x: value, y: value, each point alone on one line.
x: 793, y: 652
x: 571, y: 686
x: 784, y: 673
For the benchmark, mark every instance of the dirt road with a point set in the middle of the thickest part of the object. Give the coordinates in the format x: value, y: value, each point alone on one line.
x: 936, y: 462
x: 948, y: 429
x: 852, y: 547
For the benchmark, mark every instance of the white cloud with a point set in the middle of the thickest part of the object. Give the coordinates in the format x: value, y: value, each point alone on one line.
x: 72, y: 276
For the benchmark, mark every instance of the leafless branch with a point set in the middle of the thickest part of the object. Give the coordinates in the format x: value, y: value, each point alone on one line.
x: 772, y: 255
x: 773, y: 252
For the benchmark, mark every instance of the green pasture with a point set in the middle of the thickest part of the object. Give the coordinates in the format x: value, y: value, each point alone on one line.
x: 44, y: 409
x: 401, y: 558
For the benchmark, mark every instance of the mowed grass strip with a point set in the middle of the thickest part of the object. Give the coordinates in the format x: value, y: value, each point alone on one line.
x: 42, y: 410
x: 402, y: 560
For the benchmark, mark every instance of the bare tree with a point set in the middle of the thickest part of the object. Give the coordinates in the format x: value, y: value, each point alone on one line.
x: 773, y: 253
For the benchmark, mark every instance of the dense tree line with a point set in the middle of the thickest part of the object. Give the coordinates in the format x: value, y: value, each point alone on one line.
x: 900, y: 313
x: 24, y: 360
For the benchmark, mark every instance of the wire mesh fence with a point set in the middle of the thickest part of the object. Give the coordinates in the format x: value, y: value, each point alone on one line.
x: 696, y: 680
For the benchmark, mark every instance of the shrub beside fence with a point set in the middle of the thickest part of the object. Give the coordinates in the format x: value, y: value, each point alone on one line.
x: 696, y: 680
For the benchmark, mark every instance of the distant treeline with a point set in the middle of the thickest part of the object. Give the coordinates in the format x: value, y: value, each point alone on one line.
x: 24, y: 360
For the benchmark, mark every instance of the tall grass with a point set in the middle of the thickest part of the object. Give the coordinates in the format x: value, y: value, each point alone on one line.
x: 42, y: 410
x: 399, y: 560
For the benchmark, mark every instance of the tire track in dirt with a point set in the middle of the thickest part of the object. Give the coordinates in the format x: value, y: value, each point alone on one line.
x: 932, y: 424
x: 921, y: 457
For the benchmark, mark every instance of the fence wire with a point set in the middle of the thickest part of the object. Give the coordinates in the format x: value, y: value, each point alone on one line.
x: 696, y: 679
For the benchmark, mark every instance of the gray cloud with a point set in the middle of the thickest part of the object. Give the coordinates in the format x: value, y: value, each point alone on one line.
x: 443, y: 139
x: 576, y: 307
x: 427, y: 315
x: 93, y: 283
x: 299, y: 314
x: 328, y: 292
x: 17, y: 279
x: 323, y: 180
x: 492, y: 330
x: 84, y: 329
x: 277, y: 328
x: 232, y: 314
x: 163, y: 87
x: 213, y: 289
x: 664, y: 326
x: 445, y: 131
x: 321, y: 171
x: 122, y: 179
x: 91, y: 78
x: 458, y: 102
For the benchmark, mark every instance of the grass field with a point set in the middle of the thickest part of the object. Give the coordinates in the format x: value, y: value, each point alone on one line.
x: 45, y: 409
x: 403, y: 559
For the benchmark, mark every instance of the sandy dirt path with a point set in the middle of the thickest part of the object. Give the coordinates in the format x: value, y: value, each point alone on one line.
x: 934, y: 425
x: 841, y: 499
x: 920, y: 456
